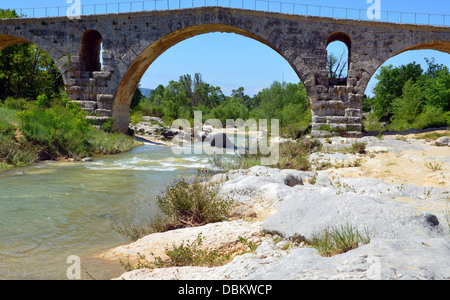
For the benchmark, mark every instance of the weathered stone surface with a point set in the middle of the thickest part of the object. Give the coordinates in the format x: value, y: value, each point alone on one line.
x: 443, y: 141
x: 243, y: 211
x: 405, y: 242
x: 133, y: 41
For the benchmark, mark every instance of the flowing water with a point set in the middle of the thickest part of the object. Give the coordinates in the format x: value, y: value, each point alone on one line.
x: 52, y: 210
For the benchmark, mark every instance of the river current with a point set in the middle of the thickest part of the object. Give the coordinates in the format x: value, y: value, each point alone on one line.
x: 52, y: 210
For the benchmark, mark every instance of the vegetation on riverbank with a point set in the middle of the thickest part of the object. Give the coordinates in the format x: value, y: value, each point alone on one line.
x: 182, y: 203
x: 286, y: 102
x: 37, y: 120
x: 51, y: 129
x: 409, y: 97
x: 404, y: 97
x: 193, y: 254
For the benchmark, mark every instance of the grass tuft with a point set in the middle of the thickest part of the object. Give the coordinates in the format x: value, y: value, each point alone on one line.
x: 337, y: 240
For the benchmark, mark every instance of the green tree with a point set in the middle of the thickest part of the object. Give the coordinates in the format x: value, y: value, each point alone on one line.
x: 175, y: 102
x: 407, y: 107
x: 230, y: 109
x: 436, y: 85
x: 422, y: 102
x: 391, y: 82
x: 26, y: 71
x: 273, y: 102
x: 437, y: 91
x: 137, y: 97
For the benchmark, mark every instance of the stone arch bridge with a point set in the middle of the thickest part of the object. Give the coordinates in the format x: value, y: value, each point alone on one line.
x: 132, y: 41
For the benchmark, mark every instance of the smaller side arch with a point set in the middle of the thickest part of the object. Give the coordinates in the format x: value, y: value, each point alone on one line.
x: 7, y: 40
x: 343, y: 38
x: 396, y: 49
x: 90, y: 51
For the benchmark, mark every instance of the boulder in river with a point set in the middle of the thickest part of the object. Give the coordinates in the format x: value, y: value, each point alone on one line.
x: 220, y: 140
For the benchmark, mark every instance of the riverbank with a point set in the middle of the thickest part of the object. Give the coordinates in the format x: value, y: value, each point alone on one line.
x: 158, y: 133
x: 57, y: 131
x: 398, y: 193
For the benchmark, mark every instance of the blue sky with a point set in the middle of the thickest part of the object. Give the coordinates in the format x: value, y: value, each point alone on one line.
x: 230, y: 61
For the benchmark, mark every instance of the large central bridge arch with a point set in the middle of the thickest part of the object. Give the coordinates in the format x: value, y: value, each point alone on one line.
x: 131, y: 78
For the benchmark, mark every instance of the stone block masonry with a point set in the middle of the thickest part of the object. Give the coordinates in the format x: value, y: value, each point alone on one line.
x: 132, y: 41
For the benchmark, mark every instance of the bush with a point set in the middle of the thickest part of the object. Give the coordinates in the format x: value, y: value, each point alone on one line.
x: 43, y: 101
x: 16, y: 104
x: 358, y: 147
x: 186, y: 204
x: 15, y: 155
x: 372, y: 123
x: 108, y: 126
x: 58, y: 130
x: 6, y: 128
x: 295, y: 130
x: 431, y: 117
x: 292, y: 155
x: 295, y: 155
x: 63, y: 130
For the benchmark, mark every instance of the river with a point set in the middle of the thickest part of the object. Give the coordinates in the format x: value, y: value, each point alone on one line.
x: 52, y: 210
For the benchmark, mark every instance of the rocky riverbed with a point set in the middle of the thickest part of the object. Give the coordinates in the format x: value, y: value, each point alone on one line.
x: 398, y: 193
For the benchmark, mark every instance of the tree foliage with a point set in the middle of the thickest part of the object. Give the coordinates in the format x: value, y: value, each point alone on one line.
x: 26, y: 71
x: 286, y: 102
x: 410, y: 97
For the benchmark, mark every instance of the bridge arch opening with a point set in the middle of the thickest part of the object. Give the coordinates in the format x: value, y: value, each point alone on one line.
x: 410, y: 89
x: 23, y: 62
x: 133, y: 75
x: 91, y: 44
x: 338, y: 58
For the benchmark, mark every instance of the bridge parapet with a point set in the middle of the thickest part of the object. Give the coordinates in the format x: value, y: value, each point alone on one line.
x: 285, y: 7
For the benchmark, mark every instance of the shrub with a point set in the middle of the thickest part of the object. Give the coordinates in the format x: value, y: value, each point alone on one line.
x: 58, y: 130
x: 372, y: 123
x: 431, y: 117
x: 14, y: 154
x: 16, y: 104
x: 297, y: 162
x: 6, y: 128
x: 186, y: 204
x: 292, y: 155
x: 43, y: 101
x: 136, y: 117
x: 131, y: 231
x: 108, y: 126
x: 295, y: 155
x: 295, y: 130
x: 358, y: 147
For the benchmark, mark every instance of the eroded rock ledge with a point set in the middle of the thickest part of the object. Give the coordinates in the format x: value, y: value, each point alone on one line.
x: 409, y: 233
